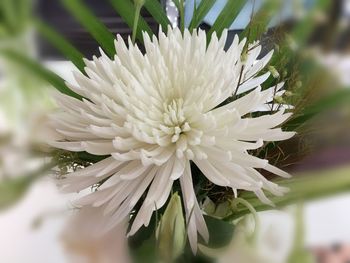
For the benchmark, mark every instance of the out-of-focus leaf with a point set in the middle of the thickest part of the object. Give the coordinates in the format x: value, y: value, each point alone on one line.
x: 303, y: 187
x: 299, y: 254
x: 24, y: 11
x: 8, y: 14
x: 299, y: 34
x: 59, y: 42
x: 126, y: 10
x: 200, y: 12
x: 180, y: 5
x: 260, y: 20
x: 227, y: 16
x: 146, y: 253
x: 98, y: 30
x: 303, y: 30
x: 157, y: 12
x: 220, y: 232
x: 38, y: 70
x: 15, y: 15
x: 177, y: 3
x: 336, y: 99
x: 13, y: 189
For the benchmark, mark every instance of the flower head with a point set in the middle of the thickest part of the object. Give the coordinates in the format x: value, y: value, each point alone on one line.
x: 155, y: 112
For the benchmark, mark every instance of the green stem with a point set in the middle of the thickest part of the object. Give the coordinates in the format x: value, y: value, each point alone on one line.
x: 138, y: 7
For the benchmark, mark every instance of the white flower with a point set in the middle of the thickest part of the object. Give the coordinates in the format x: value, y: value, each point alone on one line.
x: 153, y: 113
x: 84, y: 243
x: 271, y: 242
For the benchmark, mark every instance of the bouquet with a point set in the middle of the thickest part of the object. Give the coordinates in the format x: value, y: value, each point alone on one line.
x: 174, y: 136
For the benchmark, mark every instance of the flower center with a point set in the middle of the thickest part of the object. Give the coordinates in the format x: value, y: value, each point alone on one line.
x: 175, y: 120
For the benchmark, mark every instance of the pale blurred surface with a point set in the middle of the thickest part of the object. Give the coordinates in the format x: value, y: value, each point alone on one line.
x: 326, y: 223
x: 22, y: 241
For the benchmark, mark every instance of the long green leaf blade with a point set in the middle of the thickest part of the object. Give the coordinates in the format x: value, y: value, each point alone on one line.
x: 40, y: 71
x: 98, y: 30
x: 126, y: 10
x: 61, y: 44
x: 157, y: 12
x: 227, y: 16
x: 200, y: 12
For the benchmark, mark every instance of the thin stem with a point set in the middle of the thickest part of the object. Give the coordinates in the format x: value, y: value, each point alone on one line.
x: 138, y: 7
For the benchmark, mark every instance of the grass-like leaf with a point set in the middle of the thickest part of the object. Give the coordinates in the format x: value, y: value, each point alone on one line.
x: 126, y: 9
x: 39, y: 71
x: 227, y: 16
x: 92, y: 24
x: 200, y: 12
x: 157, y: 12
x: 61, y: 44
x: 261, y: 20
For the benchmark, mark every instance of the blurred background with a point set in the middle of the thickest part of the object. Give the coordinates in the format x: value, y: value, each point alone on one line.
x: 311, y: 39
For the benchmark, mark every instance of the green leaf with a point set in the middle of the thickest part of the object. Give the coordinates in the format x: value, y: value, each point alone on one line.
x: 303, y: 187
x: 342, y: 96
x: 58, y: 41
x: 200, y: 12
x: 227, y: 16
x: 157, y: 12
x: 146, y: 253
x: 13, y: 189
x: 298, y: 253
x: 220, y: 232
x: 88, y: 157
x: 8, y: 14
x: 98, y: 30
x: 177, y: 3
x: 261, y: 20
x: 36, y: 69
x: 126, y: 10
x: 300, y: 33
x: 303, y: 30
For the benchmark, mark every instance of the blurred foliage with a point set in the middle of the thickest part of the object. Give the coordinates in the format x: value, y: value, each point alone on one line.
x: 15, y: 17
x: 304, y: 186
x: 23, y: 100
x: 299, y: 253
x: 13, y: 189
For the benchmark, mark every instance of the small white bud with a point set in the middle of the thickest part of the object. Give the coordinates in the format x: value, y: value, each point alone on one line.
x: 274, y: 72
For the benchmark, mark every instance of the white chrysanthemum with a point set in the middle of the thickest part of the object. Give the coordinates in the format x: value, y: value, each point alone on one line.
x: 153, y: 113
